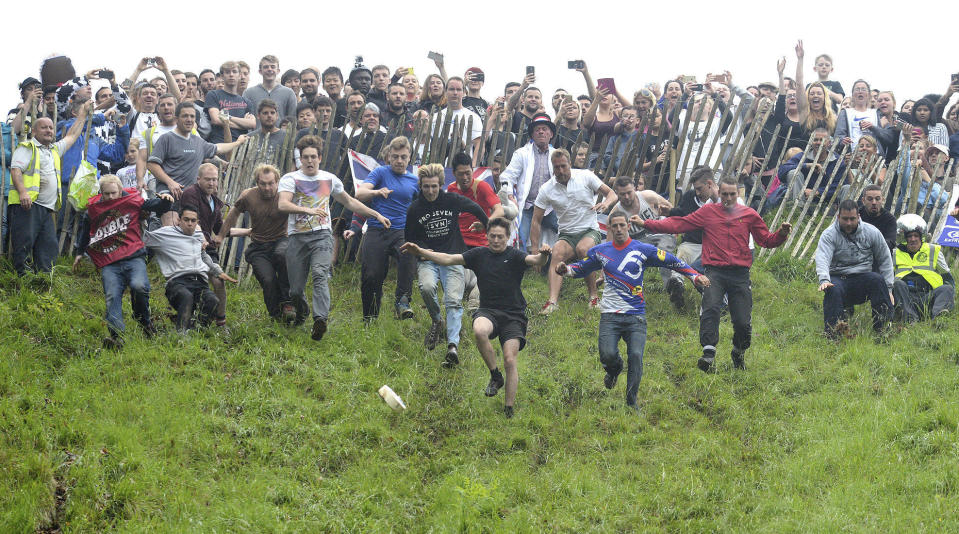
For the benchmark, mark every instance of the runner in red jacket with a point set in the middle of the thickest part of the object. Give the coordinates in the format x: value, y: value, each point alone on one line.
x: 726, y: 260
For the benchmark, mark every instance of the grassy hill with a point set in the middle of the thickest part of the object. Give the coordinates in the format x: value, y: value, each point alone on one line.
x: 265, y: 430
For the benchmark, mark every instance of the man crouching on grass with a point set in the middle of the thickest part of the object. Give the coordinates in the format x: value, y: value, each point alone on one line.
x: 502, y: 312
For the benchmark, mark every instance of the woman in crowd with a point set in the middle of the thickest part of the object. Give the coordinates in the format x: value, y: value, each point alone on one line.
x: 412, y: 85
x: 433, y: 96
x: 858, y: 118
x: 922, y: 117
x: 887, y: 132
x: 600, y: 118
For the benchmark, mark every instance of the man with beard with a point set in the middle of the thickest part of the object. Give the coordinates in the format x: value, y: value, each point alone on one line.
x: 111, y: 236
x: 266, y: 252
x: 207, y: 82
x: 309, y: 84
x: 848, y: 256
x: 873, y: 211
x: 397, y: 114
x: 726, y: 260
x: 268, y: 115
x: 532, y: 103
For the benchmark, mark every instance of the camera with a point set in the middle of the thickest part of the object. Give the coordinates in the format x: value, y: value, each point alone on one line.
x: 575, y: 64
x: 358, y: 61
x: 105, y: 74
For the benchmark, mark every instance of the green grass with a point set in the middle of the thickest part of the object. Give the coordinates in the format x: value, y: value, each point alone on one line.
x: 267, y: 431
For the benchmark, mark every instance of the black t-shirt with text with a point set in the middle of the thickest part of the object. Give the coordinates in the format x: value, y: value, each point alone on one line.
x: 235, y: 105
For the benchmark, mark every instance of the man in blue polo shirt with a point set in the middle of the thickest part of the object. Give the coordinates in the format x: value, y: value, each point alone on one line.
x: 390, y: 190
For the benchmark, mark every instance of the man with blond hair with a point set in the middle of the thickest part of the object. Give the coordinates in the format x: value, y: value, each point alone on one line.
x: 432, y: 222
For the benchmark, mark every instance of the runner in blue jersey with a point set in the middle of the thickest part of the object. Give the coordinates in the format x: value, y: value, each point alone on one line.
x: 623, y: 261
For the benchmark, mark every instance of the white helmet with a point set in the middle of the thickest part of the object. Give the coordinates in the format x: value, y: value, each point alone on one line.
x: 910, y: 222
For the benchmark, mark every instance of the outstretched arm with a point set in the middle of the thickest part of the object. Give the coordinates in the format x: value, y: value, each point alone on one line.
x: 358, y: 207
x: 539, y: 259
x: 438, y: 258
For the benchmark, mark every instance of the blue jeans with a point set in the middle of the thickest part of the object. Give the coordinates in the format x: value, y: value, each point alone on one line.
x: 116, y: 277
x: 632, y: 329
x: 852, y: 289
x: 453, y: 280
x: 549, y: 221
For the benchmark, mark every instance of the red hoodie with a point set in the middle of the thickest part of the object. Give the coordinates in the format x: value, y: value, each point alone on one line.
x: 725, y: 234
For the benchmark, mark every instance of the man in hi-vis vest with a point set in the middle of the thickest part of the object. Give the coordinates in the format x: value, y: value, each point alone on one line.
x: 924, y: 286
x: 35, y: 195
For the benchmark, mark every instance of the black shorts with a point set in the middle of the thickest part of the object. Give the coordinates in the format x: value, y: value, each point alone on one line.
x: 506, y: 325
x: 214, y: 254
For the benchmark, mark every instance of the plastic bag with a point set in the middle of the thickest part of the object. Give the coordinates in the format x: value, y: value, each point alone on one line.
x: 83, y: 186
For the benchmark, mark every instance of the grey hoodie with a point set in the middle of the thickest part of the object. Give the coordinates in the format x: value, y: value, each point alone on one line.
x: 178, y: 254
x: 839, y: 253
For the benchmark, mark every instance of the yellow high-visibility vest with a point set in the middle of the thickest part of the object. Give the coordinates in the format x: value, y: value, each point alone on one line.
x: 923, y: 263
x: 31, y: 175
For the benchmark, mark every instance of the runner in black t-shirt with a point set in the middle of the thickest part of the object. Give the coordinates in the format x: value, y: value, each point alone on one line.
x: 502, y: 312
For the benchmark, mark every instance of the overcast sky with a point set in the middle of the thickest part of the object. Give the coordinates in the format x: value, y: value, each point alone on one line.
x: 633, y: 42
